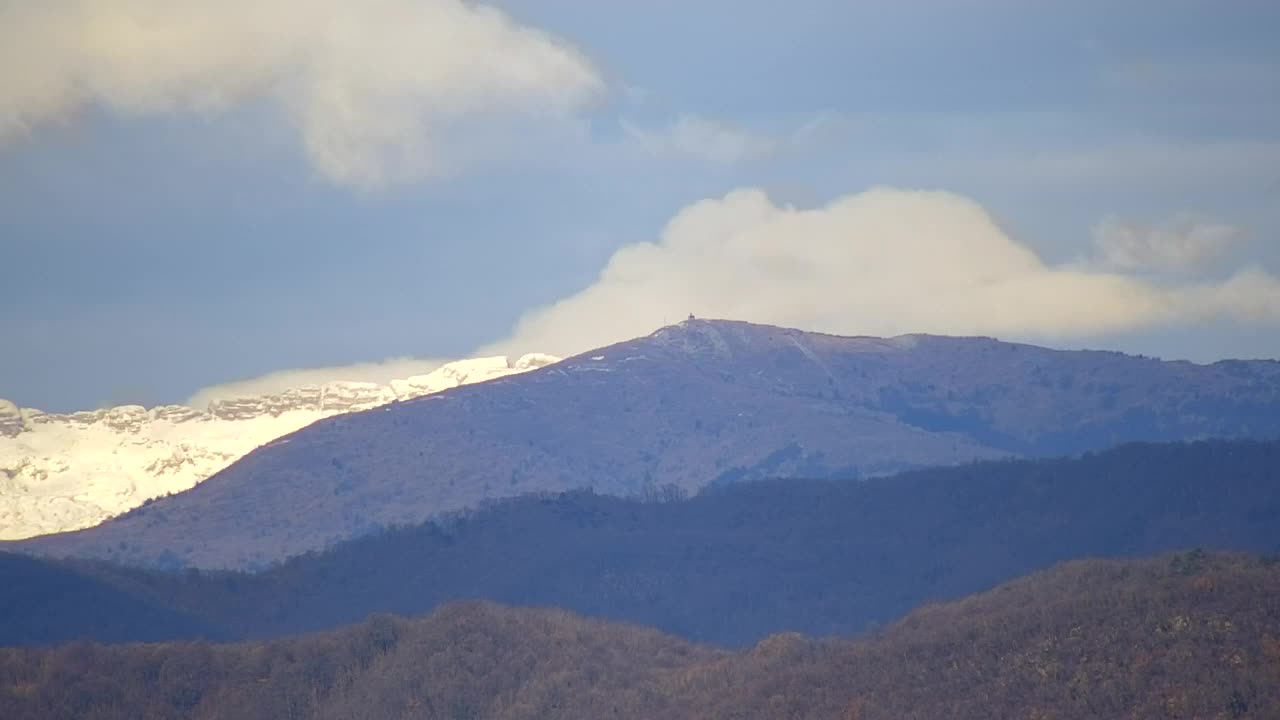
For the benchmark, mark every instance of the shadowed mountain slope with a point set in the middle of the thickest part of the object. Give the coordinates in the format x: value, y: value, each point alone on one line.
x: 691, y: 405
x: 1185, y: 636
x: 737, y: 563
x: 44, y: 603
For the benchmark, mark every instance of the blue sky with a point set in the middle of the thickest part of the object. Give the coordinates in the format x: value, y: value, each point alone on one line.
x: 193, y: 194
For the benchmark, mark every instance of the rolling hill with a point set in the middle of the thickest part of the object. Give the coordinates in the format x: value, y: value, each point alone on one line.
x: 1183, y: 636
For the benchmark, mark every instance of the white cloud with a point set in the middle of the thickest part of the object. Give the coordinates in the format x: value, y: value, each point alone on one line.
x: 1182, y: 243
x: 377, y: 372
x: 703, y: 138
x: 1252, y: 295
x: 376, y: 88
x: 880, y: 262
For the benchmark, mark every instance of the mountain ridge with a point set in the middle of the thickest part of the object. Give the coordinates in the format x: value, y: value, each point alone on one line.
x: 68, y: 471
x: 689, y: 405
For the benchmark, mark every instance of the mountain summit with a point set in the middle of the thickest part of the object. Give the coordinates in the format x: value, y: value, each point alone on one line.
x: 693, y: 404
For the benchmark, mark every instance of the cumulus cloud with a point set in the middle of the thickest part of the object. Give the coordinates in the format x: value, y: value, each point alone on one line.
x: 703, y: 138
x: 377, y: 372
x: 375, y: 89
x: 1183, y: 243
x: 880, y: 262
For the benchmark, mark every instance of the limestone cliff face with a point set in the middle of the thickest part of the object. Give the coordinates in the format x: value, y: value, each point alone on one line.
x: 10, y: 419
x: 66, y: 471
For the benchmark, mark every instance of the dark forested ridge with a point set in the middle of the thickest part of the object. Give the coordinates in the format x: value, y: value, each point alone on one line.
x: 737, y: 562
x: 690, y: 405
x: 1182, y: 636
x: 47, y: 603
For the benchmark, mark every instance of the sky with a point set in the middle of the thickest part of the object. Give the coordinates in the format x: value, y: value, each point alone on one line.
x: 213, y: 197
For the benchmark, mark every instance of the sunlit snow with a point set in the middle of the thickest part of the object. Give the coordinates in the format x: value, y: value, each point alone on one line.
x: 69, y: 471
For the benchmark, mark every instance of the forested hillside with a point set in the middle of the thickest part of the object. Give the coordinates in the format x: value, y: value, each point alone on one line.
x: 46, y: 603
x: 1183, y: 636
x: 736, y: 562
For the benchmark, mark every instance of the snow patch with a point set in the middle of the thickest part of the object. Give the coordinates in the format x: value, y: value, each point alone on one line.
x: 61, y: 472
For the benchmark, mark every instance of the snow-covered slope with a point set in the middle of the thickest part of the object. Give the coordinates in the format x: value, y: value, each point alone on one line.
x: 70, y: 471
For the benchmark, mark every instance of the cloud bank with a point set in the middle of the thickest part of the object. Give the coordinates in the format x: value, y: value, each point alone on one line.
x: 886, y: 262
x: 375, y: 89
x: 1183, y: 243
x: 881, y: 262
x: 377, y: 372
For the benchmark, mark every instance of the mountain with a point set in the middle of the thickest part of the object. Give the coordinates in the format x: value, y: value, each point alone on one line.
x: 733, y: 564
x: 699, y: 403
x: 1183, y: 636
x: 69, y: 471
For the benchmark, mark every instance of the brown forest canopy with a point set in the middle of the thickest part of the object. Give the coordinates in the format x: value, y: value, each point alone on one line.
x: 1183, y: 636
